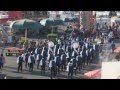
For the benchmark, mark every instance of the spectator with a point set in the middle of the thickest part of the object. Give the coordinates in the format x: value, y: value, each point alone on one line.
x: 3, y: 60
x: 113, y: 46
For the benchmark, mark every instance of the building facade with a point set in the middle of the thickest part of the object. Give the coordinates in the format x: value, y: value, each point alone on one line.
x: 16, y: 15
x: 35, y: 14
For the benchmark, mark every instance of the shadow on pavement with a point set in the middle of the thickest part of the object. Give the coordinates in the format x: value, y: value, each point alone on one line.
x: 10, y: 67
x: 63, y: 75
x: 2, y: 76
x: 38, y: 73
x: 10, y: 77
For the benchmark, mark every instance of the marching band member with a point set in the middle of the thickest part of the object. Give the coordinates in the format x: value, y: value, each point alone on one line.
x: 26, y: 59
x: 31, y: 60
x: 87, y: 59
x: 38, y: 59
x: 74, y: 53
x: 44, y: 54
x: 42, y: 64
x: 58, y: 63
x: 79, y: 62
x: 50, y: 56
x: 63, y: 61
x: 68, y: 56
x: 74, y: 61
x: 70, y: 69
x: 52, y: 66
x: 20, y: 62
x: 60, y: 51
x: 83, y: 58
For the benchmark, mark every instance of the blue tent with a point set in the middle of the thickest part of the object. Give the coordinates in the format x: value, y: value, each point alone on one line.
x: 51, y: 22
x: 25, y: 24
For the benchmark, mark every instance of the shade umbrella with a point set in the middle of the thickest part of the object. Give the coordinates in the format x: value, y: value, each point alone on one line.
x: 14, y: 49
x: 51, y: 22
x: 58, y: 22
x: 47, y: 22
x: 71, y: 19
x: 25, y: 24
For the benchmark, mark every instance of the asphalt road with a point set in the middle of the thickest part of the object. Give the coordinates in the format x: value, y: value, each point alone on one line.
x: 10, y: 68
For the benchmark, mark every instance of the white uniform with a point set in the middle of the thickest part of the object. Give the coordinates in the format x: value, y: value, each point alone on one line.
x: 23, y: 56
x: 37, y: 58
x: 41, y: 62
x: 48, y: 57
x: 50, y: 64
x: 67, y: 67
x: 29, y: 59
x: 94, y: 46
x: 36, y: 50
x: 54, y: 48
x: 87, y: 52
x: 81, y: 54
x: 42, y: 51
x: 73, y: 53
x: 18, y: 59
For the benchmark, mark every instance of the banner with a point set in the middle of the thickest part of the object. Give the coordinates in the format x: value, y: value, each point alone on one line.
x: 14, y: 15
x: 91, y: 19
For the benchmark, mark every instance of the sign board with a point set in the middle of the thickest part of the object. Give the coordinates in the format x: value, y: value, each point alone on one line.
x: 3, y: 16
x: 110, y: 70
